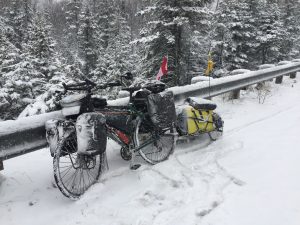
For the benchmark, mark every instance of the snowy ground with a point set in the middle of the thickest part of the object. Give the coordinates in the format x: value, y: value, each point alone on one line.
x: 249, y: 177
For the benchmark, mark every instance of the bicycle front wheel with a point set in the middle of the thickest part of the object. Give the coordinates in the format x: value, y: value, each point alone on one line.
x: 74, y: 173
x: 154, y: 146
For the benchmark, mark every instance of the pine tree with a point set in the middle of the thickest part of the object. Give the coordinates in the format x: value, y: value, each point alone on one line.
x: 19, y: 71
x: 242, y: 33
x: 290, y: 15
x: 271, y: 35
x: 73, y: 9
x: 170, y: 33
x: 105, y: 20
x: 119, y: 51
x: 86, y: 38
x: 9, y: 56
x: 15, y: 21
x: 114, y: 35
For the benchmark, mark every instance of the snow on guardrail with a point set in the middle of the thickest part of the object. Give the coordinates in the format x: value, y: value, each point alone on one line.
x: 226, y: 84
x: 24, y: 135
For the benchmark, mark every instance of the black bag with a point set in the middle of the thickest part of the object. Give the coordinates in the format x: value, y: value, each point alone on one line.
x: 121, y: 121
x: 91, y: 134
x: 55, y: 130
x: 140, y: 100
x: 99, y: 102
x: 161, y: 109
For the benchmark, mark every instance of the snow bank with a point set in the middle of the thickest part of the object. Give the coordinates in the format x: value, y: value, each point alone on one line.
x: 123, y: 94
x: 283, y: 63
x: 239, y: 71
x: 200, y: 79
x: 119, y: 102
x: 296, y: 60
x: 36, y: 108
x: 266, y: 66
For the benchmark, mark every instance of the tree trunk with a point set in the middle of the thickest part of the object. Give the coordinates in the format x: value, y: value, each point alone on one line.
x: 177, y: 54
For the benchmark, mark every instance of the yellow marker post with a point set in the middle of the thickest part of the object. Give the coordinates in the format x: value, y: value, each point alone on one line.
x: 210, y: 65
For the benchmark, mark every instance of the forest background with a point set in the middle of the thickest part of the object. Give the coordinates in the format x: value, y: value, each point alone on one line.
x: 45, y: 43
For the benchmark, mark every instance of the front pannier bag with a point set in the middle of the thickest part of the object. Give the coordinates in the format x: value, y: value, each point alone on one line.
x: 161, y: 109
x: 91, y: 134
x: 55, y: 130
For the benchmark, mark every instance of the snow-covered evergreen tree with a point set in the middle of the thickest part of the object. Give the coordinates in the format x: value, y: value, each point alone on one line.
x: 59, y: 41
x: 169, y: 33
x: 242, y: 32
x: 86, y: 41
x: 73, y: 9
x: 119, y: 52
x: 114, y: 35
x: 272, y: 35
x: 9, y: 56
x: 291, y: 20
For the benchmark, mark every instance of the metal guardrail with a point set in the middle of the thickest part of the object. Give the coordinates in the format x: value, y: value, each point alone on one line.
x: 18, y: 137
x: 26, y: 135
x: 231, y: 83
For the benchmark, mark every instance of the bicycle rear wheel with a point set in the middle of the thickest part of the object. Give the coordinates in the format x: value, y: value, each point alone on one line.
x: 74, y: 173
x: 218, y: 127
x: 154, y: 146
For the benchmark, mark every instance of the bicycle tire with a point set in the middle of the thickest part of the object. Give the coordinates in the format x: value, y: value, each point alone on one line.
x: 87, y: 172
x: 162, y: 146
x: 218, y: 128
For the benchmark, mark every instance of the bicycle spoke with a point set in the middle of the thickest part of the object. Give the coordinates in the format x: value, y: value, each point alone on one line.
x: 157, y: 146
x: 75, y: 174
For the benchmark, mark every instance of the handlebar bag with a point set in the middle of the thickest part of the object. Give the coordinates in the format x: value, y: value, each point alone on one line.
x: 140, y: 100
x: 91, y: 134
x: 99, y: 102
x: 161, y: 109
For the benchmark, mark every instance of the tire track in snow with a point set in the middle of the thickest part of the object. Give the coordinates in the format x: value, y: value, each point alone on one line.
x: 254, y: 122
x: 211, y: 173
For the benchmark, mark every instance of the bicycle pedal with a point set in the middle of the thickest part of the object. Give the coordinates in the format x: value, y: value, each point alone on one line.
x: 135, y: 167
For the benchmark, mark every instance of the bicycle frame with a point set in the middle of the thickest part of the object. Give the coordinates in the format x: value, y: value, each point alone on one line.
x: 116, y: 134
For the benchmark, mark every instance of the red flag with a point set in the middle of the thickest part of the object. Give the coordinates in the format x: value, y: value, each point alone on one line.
x: 163, y: 68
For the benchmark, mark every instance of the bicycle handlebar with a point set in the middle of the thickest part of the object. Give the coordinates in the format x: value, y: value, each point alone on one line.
x: 88, y: 85
x: 131, y: 89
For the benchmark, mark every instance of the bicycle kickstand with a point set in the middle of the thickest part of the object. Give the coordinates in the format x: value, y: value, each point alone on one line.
x: 133, y: 165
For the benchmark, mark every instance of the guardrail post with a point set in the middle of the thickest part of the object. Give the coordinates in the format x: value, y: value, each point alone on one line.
x: 279, y: 80
x: 293, y: 75
x: 235, y: 94
x: 1, y: 165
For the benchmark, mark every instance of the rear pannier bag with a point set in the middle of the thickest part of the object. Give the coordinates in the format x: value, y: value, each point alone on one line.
x: 161, y: 109
x: 91, y: 134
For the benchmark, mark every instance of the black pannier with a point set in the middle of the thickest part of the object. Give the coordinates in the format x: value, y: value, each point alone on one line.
x: 161, y: 109
x: 120, y: 121
x: 91, y: 133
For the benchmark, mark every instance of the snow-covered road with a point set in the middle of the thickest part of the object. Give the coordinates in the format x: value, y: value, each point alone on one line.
x: 250, y: 176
